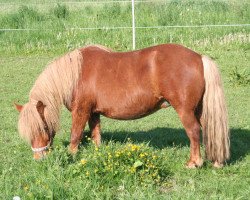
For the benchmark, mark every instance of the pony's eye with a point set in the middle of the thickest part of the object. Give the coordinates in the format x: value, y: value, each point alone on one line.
x: 46, y: 128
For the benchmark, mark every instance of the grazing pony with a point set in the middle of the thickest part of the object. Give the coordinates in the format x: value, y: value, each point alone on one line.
x: 94, y: 80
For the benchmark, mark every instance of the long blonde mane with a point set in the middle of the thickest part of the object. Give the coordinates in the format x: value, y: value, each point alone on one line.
x: 54, y: 87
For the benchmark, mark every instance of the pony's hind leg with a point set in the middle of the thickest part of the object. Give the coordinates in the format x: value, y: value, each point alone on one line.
x: 192, y: 128
x: 95, y: 129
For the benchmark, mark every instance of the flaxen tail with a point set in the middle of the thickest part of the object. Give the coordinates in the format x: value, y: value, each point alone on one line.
x: 214, y: 115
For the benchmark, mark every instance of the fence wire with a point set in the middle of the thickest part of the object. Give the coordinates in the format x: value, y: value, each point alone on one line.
x: 130, y: 27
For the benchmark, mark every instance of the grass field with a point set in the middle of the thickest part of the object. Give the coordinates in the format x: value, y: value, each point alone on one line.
x: 141, y: 159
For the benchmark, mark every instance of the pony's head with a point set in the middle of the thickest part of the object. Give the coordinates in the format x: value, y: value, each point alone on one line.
x: 34, y: 128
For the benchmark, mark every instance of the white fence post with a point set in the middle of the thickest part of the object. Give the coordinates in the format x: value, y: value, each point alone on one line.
x: 133, y: 22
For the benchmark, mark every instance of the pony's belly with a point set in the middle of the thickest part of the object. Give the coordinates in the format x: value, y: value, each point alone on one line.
x: 128, y: 115
x: 131, y: 111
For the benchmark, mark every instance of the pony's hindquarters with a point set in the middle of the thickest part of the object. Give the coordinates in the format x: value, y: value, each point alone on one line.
x: 214, y: 115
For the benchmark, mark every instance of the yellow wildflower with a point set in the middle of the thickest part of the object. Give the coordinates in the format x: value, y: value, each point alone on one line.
x: 26, y: 187
x: 109, y: 155
x: 142, y: 155
x: 132, y: 169
x: 117, y: 155
x: 154, y: 174
x: 83, y: 161
x: 135, y: 147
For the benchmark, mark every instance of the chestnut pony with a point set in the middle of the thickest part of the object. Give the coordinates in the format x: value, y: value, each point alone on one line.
x: 93, y: 81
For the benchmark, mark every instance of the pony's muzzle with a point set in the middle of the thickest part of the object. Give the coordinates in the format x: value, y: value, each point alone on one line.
x: 39, y: 153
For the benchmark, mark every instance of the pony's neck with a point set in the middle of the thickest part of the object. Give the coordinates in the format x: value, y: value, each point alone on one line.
x: 54, y: 87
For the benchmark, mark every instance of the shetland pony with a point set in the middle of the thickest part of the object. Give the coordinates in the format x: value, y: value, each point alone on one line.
x: 94, y: 80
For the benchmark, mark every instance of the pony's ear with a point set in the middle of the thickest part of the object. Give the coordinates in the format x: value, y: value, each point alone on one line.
x: 40, y: 107
x: 18, y: 107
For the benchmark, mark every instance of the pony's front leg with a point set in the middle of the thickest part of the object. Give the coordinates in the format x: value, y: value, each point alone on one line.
x: 95, y: 128
x: 79, y: 119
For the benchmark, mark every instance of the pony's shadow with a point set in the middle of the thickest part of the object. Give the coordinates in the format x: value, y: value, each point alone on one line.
x: 160, y: 138
x: 167, y: 137
x: 240, y: 144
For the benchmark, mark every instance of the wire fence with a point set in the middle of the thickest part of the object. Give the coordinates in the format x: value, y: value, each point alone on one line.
x: 133, y: 26
x: 111, y: 2
x: 130, y: 27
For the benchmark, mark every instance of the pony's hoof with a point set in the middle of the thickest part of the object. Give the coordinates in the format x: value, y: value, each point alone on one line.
x: 97, y: 142
x: 194, y: 164
x: 190, y: 166
x: 217, y: 164
x: 73, y: 151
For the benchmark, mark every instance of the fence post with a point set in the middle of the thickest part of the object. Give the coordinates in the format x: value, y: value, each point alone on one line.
x: 133, y: 22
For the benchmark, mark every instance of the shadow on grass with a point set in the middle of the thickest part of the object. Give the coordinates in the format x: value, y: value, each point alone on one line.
x: 168, y: 137
x: 158, y: 138
x: 240, y: 144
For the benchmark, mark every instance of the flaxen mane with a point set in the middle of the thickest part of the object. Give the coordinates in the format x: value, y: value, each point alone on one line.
x: 54, y: 87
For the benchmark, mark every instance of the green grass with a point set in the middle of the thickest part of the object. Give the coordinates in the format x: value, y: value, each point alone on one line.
x: 153, y: 150
x: 55, y: 34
